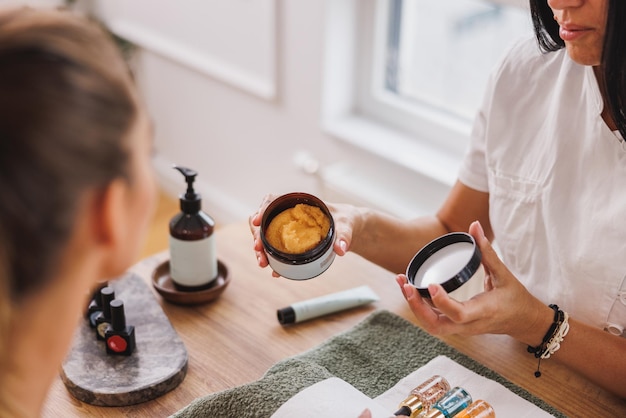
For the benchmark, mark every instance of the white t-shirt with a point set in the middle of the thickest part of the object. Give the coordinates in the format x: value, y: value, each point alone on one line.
x: 556, y: 178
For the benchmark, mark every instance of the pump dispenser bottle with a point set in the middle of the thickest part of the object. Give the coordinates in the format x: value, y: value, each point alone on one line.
x: 193, y: 260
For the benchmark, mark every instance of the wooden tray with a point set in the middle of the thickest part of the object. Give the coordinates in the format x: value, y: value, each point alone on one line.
x: 164, y: 285
x: 158, y: 364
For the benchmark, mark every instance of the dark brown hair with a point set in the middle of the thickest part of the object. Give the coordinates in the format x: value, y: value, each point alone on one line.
x: 66, y: 106
x: 613, y: 52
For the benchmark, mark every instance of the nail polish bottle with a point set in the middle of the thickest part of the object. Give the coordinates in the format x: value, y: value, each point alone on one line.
x: 453, y: 402
x: 94, y: 306
x: 103, y: 320
x: 423, y: 397
x: 478, y: 409
x: 193, y: 260
x: 119, y: 337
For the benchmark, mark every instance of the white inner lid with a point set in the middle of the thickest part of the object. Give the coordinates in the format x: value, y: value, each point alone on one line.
x: 444, y: 264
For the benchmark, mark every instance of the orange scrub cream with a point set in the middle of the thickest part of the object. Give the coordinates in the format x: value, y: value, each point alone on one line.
x: 297, y: 232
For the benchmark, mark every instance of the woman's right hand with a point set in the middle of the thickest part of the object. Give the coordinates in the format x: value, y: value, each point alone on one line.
x: 346, y: 218
x: 255, y: 228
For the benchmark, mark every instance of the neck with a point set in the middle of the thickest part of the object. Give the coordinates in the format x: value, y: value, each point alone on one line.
x: 38, y: 340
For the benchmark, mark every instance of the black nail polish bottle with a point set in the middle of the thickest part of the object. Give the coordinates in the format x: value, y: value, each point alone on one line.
x: 95, y: 305
x: 103, y: 320
x: 120, y: 339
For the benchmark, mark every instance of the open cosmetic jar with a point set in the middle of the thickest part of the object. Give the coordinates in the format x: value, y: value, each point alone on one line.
x: 453, y: 261
x: 299, y: 265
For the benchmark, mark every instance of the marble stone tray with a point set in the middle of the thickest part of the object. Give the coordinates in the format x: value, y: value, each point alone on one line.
x: 158, y: 364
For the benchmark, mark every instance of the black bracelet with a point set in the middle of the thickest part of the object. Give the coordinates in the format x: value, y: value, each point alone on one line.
x: 555, y: 323
x: 539, y: 350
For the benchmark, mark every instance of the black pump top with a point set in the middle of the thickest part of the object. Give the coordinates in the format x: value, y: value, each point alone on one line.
x: 190, y: 202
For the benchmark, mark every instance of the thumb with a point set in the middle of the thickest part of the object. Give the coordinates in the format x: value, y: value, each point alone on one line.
x: 490, y: 260
x: 366, y: 414
x: 341, y: 246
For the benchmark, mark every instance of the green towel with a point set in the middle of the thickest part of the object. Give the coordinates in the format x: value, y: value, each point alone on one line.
x: 372, y: 356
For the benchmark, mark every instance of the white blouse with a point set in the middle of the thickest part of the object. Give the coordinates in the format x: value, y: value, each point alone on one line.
x: 556, y: 178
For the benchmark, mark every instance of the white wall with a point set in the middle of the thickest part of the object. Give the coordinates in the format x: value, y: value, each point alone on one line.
x: 32, y: 3
x: 244, y: 144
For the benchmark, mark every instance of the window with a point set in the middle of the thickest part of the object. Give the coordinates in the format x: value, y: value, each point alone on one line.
x: 424, y: 64
x: 440, y: 52
x: 403, y: 80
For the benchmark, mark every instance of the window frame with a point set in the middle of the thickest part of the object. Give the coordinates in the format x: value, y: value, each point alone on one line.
x: 418, y: 120
x: 357, y: 111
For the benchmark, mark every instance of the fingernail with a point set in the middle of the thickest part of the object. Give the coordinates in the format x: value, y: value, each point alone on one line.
x: 343, y: 245
x: 480, y: 229
x: 409, y: 290
x: 433, y: 290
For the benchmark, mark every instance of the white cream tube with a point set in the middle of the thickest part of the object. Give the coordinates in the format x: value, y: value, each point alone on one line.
x: 323, y: 305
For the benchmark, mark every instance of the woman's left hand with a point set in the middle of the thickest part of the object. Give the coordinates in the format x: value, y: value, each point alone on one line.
x: 505, y: 306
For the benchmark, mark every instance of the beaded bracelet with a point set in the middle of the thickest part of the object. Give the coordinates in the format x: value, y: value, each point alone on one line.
x: 556, y: 340
x: 552, y: 340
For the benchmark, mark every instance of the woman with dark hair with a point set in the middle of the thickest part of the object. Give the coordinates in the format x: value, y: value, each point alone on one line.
x: 544, y: 176
x: 76, y: 189
x: 611, y: 71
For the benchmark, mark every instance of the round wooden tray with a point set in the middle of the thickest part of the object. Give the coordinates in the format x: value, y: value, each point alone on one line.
x: 163, y: 283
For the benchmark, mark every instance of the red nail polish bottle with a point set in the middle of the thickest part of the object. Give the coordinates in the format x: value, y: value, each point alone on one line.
x: 119, y: 338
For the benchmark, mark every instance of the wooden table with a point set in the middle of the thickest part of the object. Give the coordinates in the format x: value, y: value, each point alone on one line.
x: 235, y: 339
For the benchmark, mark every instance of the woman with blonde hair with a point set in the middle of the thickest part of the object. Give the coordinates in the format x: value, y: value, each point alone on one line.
x: 76, y: 188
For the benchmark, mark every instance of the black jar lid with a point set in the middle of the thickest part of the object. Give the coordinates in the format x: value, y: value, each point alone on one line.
x: 463, y: 275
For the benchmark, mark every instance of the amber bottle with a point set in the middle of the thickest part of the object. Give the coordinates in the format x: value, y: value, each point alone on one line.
x: 193, y: 262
